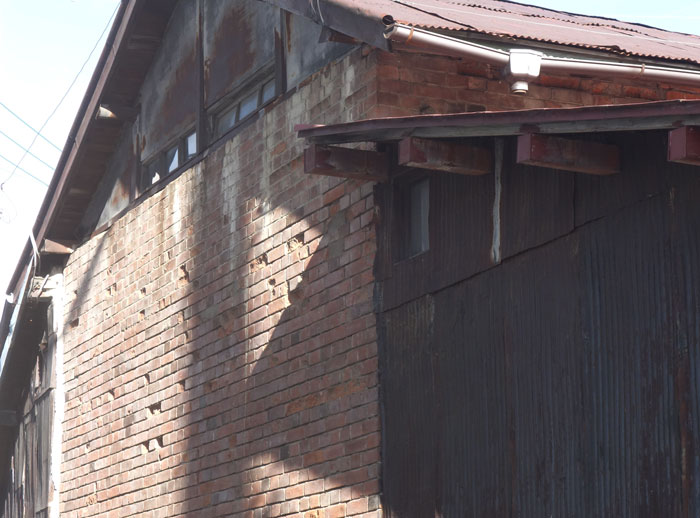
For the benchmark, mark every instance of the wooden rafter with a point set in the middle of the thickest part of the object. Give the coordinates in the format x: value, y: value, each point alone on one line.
x: 347, y: 163
x: 568, y: 154
x: 461, y: 157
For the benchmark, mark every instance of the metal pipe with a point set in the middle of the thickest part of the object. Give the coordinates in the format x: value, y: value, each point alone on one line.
x: 634, y: 70
x: 446, y: 45
x: 460, y: 48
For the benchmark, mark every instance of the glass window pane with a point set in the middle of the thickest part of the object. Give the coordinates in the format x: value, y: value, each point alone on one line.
x: 172, y: 159
x: 151, y: 174
x: 191, y: 144
x: 268, y: 91
x: 248, y: 105
x: 227, y: 120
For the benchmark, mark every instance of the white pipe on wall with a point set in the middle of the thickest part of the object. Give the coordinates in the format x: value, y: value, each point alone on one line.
x: 524, y: 65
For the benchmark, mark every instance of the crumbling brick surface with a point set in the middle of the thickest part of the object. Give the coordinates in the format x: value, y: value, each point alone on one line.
x: 220, y: 359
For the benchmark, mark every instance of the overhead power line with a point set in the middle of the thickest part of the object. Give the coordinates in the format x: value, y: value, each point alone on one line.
x: 107, y: 26
x: 24, y: 149
x: 29, y: 126
x: 18, y: 168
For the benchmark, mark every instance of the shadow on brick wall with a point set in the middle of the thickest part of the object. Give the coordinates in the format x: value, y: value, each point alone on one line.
x: 279, y: 400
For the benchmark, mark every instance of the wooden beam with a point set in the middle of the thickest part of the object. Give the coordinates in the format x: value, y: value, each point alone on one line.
x: 450, y: 156
x: 566, y: 154
x: 684, y: 145
x: 346, y: 163
x: 8, y: 418
x: 54, y: 247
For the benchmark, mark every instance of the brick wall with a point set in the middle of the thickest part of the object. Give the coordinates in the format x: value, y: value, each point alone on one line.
x: 220, y: 338
x: 411, y: 84
x: 220, y: 344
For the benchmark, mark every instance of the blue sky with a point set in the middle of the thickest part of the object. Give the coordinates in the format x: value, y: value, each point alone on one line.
x: 679, y: 16
x: 43, y: 44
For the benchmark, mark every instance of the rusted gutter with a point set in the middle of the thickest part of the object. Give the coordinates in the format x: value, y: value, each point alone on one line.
x: 524, y: 65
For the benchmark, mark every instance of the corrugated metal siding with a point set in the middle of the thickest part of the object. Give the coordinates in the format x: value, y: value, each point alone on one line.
x: 535, y: 205
x: 464, y: 220
x: 564, y: 381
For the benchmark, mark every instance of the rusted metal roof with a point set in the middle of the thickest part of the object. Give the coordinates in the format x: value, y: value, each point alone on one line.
x: 513, y: 20
x: 504, y: 20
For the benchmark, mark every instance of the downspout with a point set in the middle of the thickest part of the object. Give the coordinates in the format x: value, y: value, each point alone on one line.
x: 524, y: 65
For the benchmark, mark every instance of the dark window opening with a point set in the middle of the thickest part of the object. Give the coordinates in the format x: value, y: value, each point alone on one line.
x: 412, y: 213
x: 165, y: 162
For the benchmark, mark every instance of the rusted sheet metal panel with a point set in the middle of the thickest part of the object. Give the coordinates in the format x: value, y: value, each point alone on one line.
x: 411, y: 446
x: 460, y: 216
x: 238, y: 41
x: 568, y: 154
x: 536, y: 204
x: 114, y: 192
x: 304, y: 54
x: 533, y: 23
x: 684, y: 200
x: 643, y: 164
x: 561, y: 382
x: 169, y: 92
x: 627, y: 316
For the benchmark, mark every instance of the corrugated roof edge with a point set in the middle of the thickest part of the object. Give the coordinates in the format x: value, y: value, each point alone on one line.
x: 618, y: 117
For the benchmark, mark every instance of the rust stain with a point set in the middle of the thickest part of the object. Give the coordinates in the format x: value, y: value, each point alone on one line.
x: 288, y: 24
x: 232, y: 52
x: 682, y: 383
x: 178, y: 107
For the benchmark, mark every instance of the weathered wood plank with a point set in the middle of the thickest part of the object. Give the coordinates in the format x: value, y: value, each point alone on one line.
x: 346, y: 163
x: 451, y: 156
x: 578, y: 156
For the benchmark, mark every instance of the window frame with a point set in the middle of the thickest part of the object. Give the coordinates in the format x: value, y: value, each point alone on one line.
x: 403, y: 234
x: 160, y: 163
x: 232, y: 102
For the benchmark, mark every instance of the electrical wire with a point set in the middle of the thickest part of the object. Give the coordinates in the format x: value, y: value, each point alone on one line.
x: 75, y: 79
x: 18, y: 168
x: 24, y: 149
x: 28, y: 125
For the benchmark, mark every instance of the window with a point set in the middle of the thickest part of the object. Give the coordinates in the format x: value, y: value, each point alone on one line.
x: 243, y: 106
x: 412, y: 212
x: 167, y: 161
